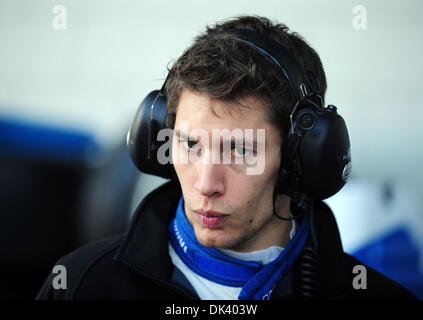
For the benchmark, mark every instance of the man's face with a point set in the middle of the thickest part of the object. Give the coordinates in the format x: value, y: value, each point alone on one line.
x: 226, y: 207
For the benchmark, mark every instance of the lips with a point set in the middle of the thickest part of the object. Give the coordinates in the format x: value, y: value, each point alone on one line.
x: 211, y: 219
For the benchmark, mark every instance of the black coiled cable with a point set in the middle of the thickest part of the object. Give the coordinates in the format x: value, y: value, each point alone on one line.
x: 306, y: 279
x: 308, y: 263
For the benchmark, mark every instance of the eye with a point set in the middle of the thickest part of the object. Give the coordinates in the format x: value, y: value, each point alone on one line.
x: 241, y: 152
x: 190, y: 144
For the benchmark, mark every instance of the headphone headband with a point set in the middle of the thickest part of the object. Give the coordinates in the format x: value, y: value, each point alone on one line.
x: 279, y: 55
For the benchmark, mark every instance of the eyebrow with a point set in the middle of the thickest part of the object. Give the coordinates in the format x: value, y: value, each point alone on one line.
x: 233, y: 140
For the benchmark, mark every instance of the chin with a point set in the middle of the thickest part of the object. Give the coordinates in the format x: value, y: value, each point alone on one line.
x: 210, y: 238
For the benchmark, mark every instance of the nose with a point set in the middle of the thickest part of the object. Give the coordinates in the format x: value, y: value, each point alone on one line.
x: 210, y: 182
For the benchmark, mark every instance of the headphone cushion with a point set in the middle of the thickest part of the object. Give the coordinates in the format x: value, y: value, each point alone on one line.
x: 142, y: 137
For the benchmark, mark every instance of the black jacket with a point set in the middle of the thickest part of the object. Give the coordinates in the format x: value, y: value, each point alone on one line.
x: 136, y: 265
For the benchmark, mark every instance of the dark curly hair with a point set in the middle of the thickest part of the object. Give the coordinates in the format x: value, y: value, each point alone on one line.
x: 227, y: 69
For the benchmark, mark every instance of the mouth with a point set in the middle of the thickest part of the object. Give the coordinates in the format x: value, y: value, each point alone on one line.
x: 211, y: 219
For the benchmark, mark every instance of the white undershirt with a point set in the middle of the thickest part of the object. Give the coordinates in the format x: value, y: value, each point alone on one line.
x: 209, y: 290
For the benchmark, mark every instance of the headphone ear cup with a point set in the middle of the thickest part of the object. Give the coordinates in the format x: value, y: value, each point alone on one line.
x: 142, y: 142
x: 324, y: 154
x: 323, y: 161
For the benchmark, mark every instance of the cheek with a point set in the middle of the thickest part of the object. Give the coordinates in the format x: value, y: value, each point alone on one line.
x: 258, y: 209
x: 180, y: 162
x: 253, y: 186
x: 184, y: 175
x: 250, y: 193
x: 254, y: 194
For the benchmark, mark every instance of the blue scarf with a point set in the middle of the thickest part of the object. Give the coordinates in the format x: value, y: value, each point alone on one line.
x: 257, y: 280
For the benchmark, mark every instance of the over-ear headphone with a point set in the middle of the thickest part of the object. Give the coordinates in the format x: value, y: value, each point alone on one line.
x: 316, y: 159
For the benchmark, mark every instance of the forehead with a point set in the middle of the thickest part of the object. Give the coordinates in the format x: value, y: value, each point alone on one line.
x: 200, y: 110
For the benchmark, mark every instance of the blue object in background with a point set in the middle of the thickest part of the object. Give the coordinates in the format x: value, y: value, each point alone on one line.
x: 397, y: 256
x: 42, y: 171
x: 380, y: 223
x: 59, y: 190
x: 29, y: 140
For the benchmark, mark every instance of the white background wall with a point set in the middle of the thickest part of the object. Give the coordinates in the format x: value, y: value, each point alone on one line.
x: 94, y: 74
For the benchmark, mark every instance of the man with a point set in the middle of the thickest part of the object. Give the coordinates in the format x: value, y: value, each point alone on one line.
x: 236, y: 222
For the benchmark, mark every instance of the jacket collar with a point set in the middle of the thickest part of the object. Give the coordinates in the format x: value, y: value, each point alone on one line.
x: 333, y: 274
x: 145, y: 246
x: 332, y: 270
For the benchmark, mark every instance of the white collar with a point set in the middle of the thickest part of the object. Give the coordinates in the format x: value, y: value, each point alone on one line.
x: 263, y: 256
